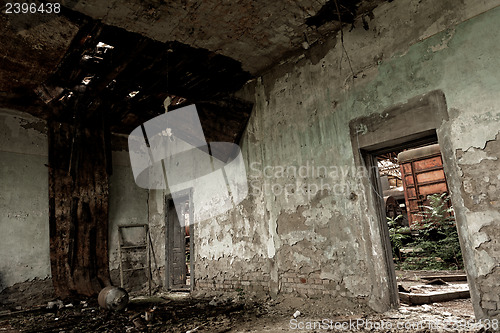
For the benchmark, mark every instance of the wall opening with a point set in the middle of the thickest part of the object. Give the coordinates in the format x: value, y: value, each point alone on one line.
x: 179, y: 243
x: 380, y: 137
x: 420, y: 220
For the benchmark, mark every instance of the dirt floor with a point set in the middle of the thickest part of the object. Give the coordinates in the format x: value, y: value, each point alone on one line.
x: 195, y: 315
x: 177, y: 312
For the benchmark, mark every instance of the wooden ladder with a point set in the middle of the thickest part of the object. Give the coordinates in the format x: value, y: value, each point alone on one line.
x: 143, y: 246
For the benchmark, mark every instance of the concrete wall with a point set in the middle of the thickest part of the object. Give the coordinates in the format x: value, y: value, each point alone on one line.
x: 293, y: 234
x: 24, y: 203
x: 197, y: 172
x: 24, y: 219
x: 128, y: 204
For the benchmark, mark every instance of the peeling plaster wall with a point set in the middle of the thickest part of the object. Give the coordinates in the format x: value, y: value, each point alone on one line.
x: 24, y: 203
x: 315, y: 242
x: 156, y: 211
x: 208, y: 189
x: 128, y: 204
x: 481, y: 192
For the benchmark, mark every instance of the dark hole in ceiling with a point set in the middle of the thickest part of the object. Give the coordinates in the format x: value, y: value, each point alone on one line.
x: 130, y: 75
x: 329, y: 12
x: 123, y: 77
x: 111, y: 73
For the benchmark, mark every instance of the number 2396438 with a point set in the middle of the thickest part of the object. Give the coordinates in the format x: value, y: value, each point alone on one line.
x: 32, y: 8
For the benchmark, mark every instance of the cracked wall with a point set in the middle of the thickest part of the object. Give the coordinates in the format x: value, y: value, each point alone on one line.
x: 480, y: 191
x: 317, y: 241
x: 213, y: 239
x: 24, y: 202
x: 128, y: 204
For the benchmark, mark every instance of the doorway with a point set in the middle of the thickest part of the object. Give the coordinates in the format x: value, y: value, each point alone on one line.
x: 179, y: 243
x: 381, y: 137
x: 418, y: 209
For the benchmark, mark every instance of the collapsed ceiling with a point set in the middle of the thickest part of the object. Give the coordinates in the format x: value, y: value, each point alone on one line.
x: 122, y: 59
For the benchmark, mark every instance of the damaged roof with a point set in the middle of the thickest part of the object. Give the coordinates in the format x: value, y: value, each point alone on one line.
x: 123, y: 58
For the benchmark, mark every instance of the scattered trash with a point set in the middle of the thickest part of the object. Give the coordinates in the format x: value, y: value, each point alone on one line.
x: 139, y: 324
x: 70, y: 305
x: 426, y: 308
x: 55, y: 305
x: 148, y: 315
x: 137, y: 315
x: 193, y: 330
x: 194, y: 315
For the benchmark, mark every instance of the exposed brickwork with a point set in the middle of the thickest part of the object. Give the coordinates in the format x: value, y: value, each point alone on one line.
x: 310, y: 285
x: 255, y: 282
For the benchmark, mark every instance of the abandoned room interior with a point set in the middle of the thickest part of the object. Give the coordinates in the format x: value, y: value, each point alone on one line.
x: 250, y: 166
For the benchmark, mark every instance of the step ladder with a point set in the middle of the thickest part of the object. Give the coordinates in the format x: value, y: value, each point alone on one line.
x: 124, y: 248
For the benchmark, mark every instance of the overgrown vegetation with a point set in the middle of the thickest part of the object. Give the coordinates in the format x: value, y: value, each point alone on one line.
x: 399, y: 236
x: 434, y: 244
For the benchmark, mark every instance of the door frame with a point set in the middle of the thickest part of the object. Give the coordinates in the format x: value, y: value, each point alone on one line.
x: 188, y: 193
x: 370, y: 162
x: 417, y: 120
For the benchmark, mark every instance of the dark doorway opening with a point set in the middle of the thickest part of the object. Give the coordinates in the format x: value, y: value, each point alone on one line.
x: 179, y: 244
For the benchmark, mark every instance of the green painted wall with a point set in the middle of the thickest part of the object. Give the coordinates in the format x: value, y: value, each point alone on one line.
x: 301, y: 117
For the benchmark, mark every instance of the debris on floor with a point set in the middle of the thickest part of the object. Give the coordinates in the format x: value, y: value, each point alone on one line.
x: 182, y: 312
x: 422, y: 288
x: 141, y: 315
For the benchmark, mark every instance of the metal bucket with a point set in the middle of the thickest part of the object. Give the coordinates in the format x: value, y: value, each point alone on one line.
x: 113, y: 298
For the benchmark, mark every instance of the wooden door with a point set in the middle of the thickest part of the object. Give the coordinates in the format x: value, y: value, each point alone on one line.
x: 176, y: 249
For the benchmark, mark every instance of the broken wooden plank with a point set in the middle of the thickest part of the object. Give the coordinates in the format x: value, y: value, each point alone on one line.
x: 446, y: 278
x: 14, y: 313
x: 418, y: 299
x: 437, y: 282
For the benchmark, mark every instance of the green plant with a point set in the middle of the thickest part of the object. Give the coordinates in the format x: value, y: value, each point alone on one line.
x: 399, y: 236
x: 436, y: 215
x: 438, y: 236
x: 421, y: 263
